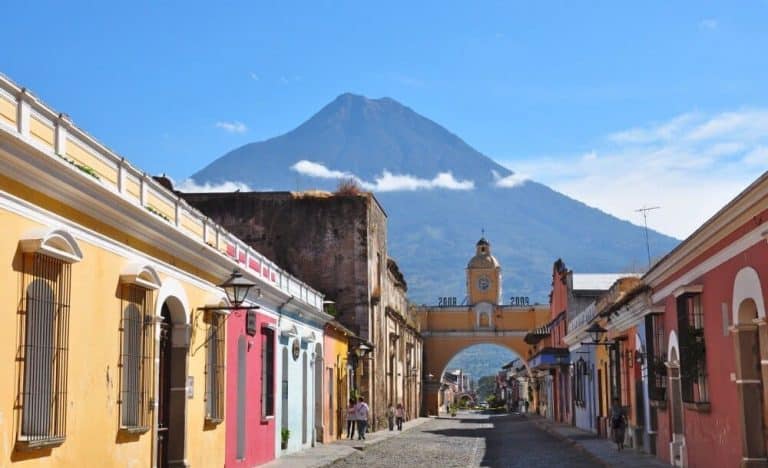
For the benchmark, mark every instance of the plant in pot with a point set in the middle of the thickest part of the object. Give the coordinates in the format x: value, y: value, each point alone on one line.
x: 285, y: 434
x: 453, y: 410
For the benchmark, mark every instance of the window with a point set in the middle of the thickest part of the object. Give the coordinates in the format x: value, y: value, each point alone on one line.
x: 580, y: 382
x: 267, y: 372
x: 46, y: 283
x: 693, y: 362
x: 136, y: 358
x: 626, y: 361
x: 657, y: 357
x: 214, y: 369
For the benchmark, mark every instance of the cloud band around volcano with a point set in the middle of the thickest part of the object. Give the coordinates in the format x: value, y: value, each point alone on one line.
x: 386, y: 181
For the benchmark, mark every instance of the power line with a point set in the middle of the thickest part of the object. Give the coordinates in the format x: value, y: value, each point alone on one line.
x: 644, y: 210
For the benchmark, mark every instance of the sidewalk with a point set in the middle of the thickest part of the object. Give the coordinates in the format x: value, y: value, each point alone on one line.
x: 602, y: 450
x: 325, y: 454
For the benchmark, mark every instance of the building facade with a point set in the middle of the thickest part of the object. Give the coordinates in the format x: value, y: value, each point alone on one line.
x: 709, y: 293
x: 337, y: 243
x: 338, y: 380
x: 452, y: 325
x: 116, y: 330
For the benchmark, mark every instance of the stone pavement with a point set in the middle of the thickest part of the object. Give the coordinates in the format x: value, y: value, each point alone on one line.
x: 602, y: 450
x: 325, y: 454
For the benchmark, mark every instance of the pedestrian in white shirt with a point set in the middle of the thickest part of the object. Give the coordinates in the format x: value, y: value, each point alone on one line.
x: 362, y: 417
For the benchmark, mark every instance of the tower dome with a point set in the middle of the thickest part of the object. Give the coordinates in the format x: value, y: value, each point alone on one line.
x: 483, y: 257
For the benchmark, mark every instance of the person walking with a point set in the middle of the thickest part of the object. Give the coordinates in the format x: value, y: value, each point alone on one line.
x: 400, y: 416
x: 618, y: 424
x: 391, y: 416
x: 351, y: 418
x: 362, y: 417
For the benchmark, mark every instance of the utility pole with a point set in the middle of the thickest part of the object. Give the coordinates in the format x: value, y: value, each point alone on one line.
x: 644, y: 210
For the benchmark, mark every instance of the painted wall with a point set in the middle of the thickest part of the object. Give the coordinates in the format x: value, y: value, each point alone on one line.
x: 715, y: 436
x: 93, y: 373
x: 584, y: 415
x: 259, y: 433
x: 335, y: 384
x: 296, y: 406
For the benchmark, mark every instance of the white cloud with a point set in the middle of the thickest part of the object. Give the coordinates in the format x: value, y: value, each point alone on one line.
x: 232, y: 127
x: 313, y: 169
x: 690, y: 165
x: 708, y: 23
x: 513, y: 180
x: 190, y: 186
x: 387, y: 181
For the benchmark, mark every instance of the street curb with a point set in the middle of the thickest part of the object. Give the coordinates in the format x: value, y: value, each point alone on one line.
x: 544, y: 426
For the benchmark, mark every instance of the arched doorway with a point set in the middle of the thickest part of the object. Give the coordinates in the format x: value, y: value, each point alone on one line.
x: 677, y: 442
x: 173, y: 348
x: 750, y: 350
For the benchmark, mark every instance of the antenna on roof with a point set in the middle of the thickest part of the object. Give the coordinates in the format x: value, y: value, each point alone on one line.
x: 644, y: 210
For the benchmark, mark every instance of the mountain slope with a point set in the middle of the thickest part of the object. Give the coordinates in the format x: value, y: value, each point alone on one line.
x: 432, y: 232
x: 361, y: 136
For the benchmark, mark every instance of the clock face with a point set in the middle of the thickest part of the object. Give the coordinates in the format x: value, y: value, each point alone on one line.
x: 483, y: 283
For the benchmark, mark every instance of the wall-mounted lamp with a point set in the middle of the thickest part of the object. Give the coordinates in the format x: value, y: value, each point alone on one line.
x: 236, y: 288
x: 596, y: 332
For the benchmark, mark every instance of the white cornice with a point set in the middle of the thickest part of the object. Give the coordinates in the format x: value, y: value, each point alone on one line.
x: 688, y: 289
x: 631, y: 314
x: 728, y: 252
x: 51, y: 176
x: 714, y: 229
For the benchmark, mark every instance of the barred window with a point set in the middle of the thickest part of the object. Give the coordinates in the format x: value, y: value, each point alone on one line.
x: 693, y: 361
x: 136, y: 358
x: 267, y: 372
x: 657, y: 357
x: 214, y: 368
x: 46, y: 283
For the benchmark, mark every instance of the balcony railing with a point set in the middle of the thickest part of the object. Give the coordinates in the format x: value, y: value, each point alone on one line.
x: 54, y: 134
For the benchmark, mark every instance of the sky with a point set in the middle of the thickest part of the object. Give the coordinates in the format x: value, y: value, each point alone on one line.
x: 621, y: 105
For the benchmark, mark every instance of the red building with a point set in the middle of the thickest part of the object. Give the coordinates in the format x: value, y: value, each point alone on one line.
x: 250, y: 390
x: 710, y: 293
x: 561, y: 385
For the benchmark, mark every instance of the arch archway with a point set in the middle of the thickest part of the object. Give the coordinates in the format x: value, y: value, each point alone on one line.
x: 677, y: 442
x: 749, y: 341
x: 173, y: 347
x: 439, y: 351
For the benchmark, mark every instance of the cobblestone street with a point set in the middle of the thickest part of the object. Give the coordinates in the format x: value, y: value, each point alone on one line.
x: 471, y: 439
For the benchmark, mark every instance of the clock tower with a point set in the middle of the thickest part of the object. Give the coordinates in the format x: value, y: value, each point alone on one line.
x: 483, y: 276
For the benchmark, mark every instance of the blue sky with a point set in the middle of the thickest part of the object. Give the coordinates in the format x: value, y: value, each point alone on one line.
x: 618, y: 104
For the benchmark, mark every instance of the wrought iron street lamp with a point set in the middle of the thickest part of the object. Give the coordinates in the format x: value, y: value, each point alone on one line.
x: 236, y: 287
x: 596, y: 332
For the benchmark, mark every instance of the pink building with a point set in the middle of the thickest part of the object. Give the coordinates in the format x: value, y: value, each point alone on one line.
x: 250, y: 390
x: 710, y: 340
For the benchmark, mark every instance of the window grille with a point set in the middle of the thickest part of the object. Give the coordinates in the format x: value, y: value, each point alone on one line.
x: 214, y: 369
x: 136, y: 358
x: 693, y: 362
x: 46, y: 284
x: 657, y: 357
x: 624, y: 363
x: 267, y: 372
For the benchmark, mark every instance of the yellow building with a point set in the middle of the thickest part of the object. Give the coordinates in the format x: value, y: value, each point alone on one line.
x: 108, y: 359
x: 336, y: 394
x: 448, y: 327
